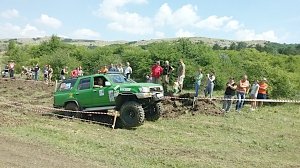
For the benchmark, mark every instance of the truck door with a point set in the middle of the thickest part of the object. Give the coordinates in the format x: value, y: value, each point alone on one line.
x: 102, y: 95
x: 83, y: 92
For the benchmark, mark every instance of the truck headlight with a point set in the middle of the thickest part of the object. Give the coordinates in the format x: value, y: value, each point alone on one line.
x: 161, y: 88
x: 144, y: 89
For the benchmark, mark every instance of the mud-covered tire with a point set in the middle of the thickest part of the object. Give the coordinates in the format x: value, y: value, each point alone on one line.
x: 154, y: 111
x: 72, y: 106
x: 132, y: 114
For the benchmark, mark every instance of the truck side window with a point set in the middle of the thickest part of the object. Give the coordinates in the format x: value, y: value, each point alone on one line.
x: 84, y: 84
x: 99, y: 81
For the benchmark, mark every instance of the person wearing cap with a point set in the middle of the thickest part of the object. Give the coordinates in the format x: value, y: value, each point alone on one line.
x: 262, y: 91
x: 156, y: 72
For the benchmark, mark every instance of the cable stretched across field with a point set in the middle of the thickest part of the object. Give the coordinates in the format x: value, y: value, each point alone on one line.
x: 234, y: 99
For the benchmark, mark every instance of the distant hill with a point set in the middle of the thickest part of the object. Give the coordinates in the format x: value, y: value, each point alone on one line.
x: 208, y: 41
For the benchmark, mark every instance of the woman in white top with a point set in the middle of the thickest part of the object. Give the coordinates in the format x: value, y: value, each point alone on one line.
x: 127, y: 71
x: 253, y: 94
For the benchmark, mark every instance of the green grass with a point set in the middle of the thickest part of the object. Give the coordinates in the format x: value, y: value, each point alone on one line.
x: 269, y: 137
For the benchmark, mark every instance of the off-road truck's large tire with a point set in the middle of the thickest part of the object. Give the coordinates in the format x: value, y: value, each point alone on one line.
x: 153, y: 112
x: 72, y: 106
x: 132, y: 114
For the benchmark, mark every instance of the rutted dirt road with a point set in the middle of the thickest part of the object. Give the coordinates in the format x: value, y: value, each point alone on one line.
x: 16, y: 153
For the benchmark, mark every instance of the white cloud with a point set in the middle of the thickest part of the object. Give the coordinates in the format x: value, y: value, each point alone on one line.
x: 125, y: 21
x: 9, y: 30
x: 233, y: 25
x: 182, y: 33
x: 247, y: 34
x: 213, y: 22
x: 50, y: 21
x: 10, y: 13
x: 86, y: 33
x: 184, y: 16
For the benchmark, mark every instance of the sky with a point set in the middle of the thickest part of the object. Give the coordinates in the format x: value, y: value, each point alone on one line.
x: 130, y: 20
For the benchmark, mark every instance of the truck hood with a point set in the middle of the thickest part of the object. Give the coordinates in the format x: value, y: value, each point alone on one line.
x: 134, y: 87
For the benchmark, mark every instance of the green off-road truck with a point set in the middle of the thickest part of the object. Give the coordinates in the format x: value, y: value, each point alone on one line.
x: 111, y: 91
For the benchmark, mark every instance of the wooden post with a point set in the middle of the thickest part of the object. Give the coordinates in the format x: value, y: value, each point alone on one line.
x: 115, y: 120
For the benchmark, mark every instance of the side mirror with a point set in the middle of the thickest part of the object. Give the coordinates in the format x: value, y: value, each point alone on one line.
x: 107, y: 83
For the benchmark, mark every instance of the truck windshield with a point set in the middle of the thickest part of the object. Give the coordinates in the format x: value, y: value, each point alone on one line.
x: 118, y: 78
x: 66, y: 84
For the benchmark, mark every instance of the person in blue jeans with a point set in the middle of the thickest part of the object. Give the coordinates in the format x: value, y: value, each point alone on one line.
x: 36, y: 72
x: 242, y: 89
x: 210, y: 84
x: 229, y: 93
x: 198, y: 77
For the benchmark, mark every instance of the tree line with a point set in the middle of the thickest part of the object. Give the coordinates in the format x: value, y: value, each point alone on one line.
x: 281, y: 70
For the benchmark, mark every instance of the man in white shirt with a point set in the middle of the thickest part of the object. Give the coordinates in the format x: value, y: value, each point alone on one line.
x: 127, y: 71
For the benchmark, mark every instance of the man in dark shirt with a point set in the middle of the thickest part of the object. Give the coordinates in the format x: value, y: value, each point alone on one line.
x: 229, y: 92
x: 167, y: 69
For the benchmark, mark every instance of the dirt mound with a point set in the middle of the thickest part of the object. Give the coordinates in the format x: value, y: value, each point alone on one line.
x: 26, y: 91
x: 184, y: 104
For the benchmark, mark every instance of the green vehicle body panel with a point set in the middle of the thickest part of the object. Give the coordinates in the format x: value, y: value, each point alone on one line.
x: 87, y: 96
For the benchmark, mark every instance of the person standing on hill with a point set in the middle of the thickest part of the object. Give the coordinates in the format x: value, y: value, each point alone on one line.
x: 229, y: 93
x: 210, y: 84
x: 112, y: 68
x: 167, y: 69
x: 253, y: 94
x: 262, y: 91
x: 74, y: 73
x: 242, y: 90
x: 120, y: 68
x: 181, y: 74
x: 80, y: 71
x: 63, y: 73
x: 156, y: 72
x: 45, y: 72
x: 127, y: 71
x: 11, y: 69
x: 50, y: 73
x: 198, y: 78
x: 36, y: 72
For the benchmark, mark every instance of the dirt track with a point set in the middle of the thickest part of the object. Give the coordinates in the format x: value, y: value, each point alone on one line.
x: 16, y: 153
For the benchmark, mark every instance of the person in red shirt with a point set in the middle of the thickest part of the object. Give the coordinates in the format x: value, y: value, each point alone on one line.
x: 262, y: 91
x: 156, y: 72
x: 74, y: 73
